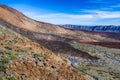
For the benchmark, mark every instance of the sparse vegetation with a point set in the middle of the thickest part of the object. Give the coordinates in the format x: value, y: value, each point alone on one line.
x: 22, y: 51
x: 11, y: 41
x: 27, y: 60
x: 1, y: 79
x: 8, y: 47
x: 3, y: 64
x: 106, y: 54
x: 83, y: 66
x: 29, y: 57
x: 39, y: 55
x: 115, y: 75
x: 11, y: 78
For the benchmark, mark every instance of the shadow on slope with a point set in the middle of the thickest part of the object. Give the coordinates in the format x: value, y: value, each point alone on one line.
x: 115, y: 45
x: 111, y: 35
x: 65, y: 49
x: 55, y: 43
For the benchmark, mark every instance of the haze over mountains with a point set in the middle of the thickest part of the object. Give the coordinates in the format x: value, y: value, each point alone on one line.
x: 49, y: 52
x: 100, y: 28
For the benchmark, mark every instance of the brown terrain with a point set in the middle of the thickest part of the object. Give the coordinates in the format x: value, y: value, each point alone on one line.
x: 56, y: 33
x: 105, y: 44
x: 49, y: 35
x: 23, y: 59
x: 56, y: 41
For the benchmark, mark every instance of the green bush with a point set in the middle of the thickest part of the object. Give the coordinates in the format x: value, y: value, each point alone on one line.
x: 14, y: 41
x: 1, y: 79
x: 5, y: 60
x: 13, y: 56
x: 39, y: 55
x: 83, y: 67
x: 11, y: 41
x: 9, y: 52
x: 21, y: 50
x: 11, y: 78
x: 1, y: 52
x: 3, y: 67
x: 8, y: 48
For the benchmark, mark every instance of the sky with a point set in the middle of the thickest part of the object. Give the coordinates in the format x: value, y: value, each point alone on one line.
x: 77, y: 12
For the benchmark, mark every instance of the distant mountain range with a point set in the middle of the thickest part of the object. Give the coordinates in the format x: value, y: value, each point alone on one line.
x: 103, y: 28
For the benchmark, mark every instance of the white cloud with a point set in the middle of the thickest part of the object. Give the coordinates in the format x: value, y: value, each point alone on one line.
x: 86, y: 19
x: 109, y: 15
x: 104, y: 14
x: 61, y: 18
x: 92, y: 17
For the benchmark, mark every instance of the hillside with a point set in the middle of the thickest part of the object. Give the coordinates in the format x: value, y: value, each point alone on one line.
x: 19, y: 20
x: 43, y: 33
x: 55, y: 51
x: 20, y: 58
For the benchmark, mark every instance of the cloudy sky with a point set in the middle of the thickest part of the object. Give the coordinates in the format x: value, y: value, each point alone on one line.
x: 80, y: 12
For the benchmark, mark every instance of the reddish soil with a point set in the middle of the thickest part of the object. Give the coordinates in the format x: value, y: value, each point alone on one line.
x: 105, y: 44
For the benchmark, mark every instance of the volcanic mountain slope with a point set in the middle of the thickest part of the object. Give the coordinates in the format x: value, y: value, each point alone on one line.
x: 58, y: 40
x: 47, y: 34
x: 51, y: 36
x: 22, y: 59
x: 19, y: 20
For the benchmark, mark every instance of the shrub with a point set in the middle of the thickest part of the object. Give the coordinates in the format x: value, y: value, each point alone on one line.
x: 5, y: 60
x: 3, y: 67
x: 1, y: 79
x: 21, y: 50
x: 11, y: 78
x: 14, y: 41
x: 11, y: 41
x: 83, y: 67
x: 1, y: 52
x: 8, y: 48
x: 13, y: 56
x: 39, y: 55
x: 8, y: 52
